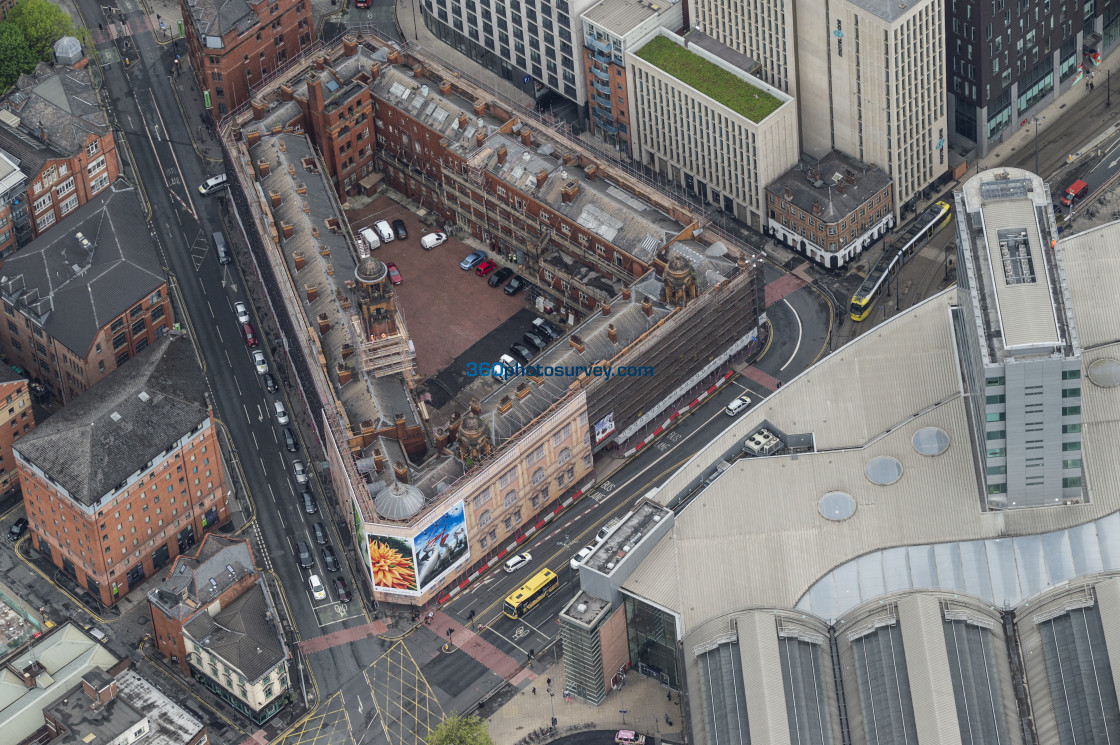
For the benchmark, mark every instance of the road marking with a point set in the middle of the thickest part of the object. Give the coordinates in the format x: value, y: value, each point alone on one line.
x: 798, y: 318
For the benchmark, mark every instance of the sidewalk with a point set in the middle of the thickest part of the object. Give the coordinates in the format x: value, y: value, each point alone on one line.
x: 644, y: 701
x: 423, y: 42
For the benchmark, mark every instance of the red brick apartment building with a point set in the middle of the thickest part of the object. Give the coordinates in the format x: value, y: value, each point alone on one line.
x: 53, y: 123
x: 234, y: 44
x: 127, y: 477
x: 79, y: 303
x: 16, y: 397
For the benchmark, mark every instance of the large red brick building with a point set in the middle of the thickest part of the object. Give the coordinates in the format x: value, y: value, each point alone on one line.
x: 128, y: 476
x: 54, y: 125
x: 81, y: 302
x: 16, y: 420
x: 235, y: 44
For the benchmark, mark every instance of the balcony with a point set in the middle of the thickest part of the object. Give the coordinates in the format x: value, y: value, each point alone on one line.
x: 603, y: 58
x: 608, y: 128
x: 602, y: 87
x: 598, y: 46
x: 601, y: 74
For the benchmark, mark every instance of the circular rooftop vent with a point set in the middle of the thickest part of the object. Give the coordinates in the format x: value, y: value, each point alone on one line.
x: 883, y: 470
x: 1105, y: 372
x: 931, y: 441
x: 837, y: 505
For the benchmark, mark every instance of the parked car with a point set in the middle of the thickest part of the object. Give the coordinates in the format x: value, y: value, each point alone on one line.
x: 521, y: 352
x: 516, y: 285
x: 299, y: 471
x: 242, y: 312
x: 306, y: 559
x: 213, y: 185
x: 270, y: 383
x: 363, y: 4
x: 291, y: 444
x: 738, y: 405
x: 17, y: 529
x: 473, y: 259
x: 309, y: 505
x: 394, y: 273
x: 485, y: 268
x: 329, y: 559
x: 384, y: 232
x: 250, y: 334
x: 500, y: 276
x: 317, y: 590
x: 320, y: 533
x: 512, y: 565
x: 546, y: 327
x: 260, y: 362
x: 341, y: 590
x: 281, y: 413
x: 370, y: 238
x: 431, y: 240
x: 583, y: 554
x: 534, y: 341
x: 400, y: 230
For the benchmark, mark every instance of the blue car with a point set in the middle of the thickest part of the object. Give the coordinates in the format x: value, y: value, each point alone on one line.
x: 472, y: 261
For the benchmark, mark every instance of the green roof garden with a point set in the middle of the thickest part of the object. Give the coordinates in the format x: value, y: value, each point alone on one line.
x: 710, y: 79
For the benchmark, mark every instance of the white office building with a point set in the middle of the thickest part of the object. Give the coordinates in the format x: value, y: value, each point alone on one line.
x: 708, y: 126
x: 1017, y: 342
x: 872, y: 84
x: 759, y: 29
x: 533, y: 44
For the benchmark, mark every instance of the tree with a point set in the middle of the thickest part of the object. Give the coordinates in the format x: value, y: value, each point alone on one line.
x: 460, y: 731
x: 42, y: 23
x: 16, y: 56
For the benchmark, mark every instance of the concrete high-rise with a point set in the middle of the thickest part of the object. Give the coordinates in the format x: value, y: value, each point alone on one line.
x: 1017, y: 342
x: 872, y: 84
x: 760, y: 29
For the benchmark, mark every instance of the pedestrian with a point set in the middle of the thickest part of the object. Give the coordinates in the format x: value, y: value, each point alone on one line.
x: 548, y: 681
x: 534, y: 690
x: 669, y: 696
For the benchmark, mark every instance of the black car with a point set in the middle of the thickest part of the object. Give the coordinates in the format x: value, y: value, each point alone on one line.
x: 342, y: 590
x: 500, y: 276
x: 17, y: 529
x: 291, y: 444
x: 320, y: 533
x: 535, y: 341
x: 546, y: 327
x: 329, y: 559
x: 270, y: 383
x: 309, y: 505
x: 306, y: 558
x: 516, y: 285
x: 400, y: 229
x: 521, y: 352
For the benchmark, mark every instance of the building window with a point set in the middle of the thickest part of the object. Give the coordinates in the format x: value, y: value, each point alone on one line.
x: 538, y: 476
x: 45, y: 221
x: 69, y: 205
x: 511, y: 497
x: 93, y: 148
x: 41, y: 203
x: 99, y: 183
x: 65, y: 187
x: 485, y: 518
x: 95, y: 166
x: 565, y: 455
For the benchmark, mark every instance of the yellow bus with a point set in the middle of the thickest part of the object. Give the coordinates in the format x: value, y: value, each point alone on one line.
x: 526, y: 597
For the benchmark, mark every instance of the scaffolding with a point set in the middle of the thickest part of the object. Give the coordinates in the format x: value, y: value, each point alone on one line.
x: 385, y: 353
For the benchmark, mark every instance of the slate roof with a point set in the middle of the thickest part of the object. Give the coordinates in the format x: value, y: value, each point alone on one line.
x: 73, y: 290
x: 241, y: 634
x: 85, y: 723
x: 830, y: 170
x: 219, y: 17
x: 188, y: 587
x: 111, y: 431
x: 170, y: 724
x: 60, y: 102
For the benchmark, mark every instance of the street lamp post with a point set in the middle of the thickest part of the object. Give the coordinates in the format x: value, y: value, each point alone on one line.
x: 552, y: 700
x: 415, y: 30
x: 1037, y: 120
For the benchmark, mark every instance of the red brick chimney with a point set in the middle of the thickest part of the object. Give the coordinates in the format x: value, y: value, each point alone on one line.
x: 400, y: 472
x: 480, y: 107
x: 606, y: 308
x: 260, y: 108
x: 625, y: 293
x: 375, y: 71
x: 263, y: 168
x: 314, y: 93
x: 569, y: 192
x: 445, y: 87
x: 647, y: 307
x: 502, y: 152
x: 462, y: 122
x: 479, y: 138
x: 287, y: 93
x: 612, y: 333
x: 526, y: 137
x: 349, y: 45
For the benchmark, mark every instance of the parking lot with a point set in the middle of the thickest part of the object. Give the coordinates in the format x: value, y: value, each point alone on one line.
x: 445, y: 308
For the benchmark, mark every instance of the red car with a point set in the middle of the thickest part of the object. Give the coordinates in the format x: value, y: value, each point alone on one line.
x: 250, y: 335
x: 485, y: 268
x: 394, y: 275
x: 361, y: 3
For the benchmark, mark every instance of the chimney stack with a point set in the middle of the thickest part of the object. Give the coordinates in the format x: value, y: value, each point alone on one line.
x: 480, y: 107
x: 400, y: 471
x: 260, y: 108
x: 445, y: 87
x: 375, y: 71
x: 479, y: 138
x: 569, y: 192
x: 274, y: 198
x: 625, y: 293
x: 349, y: 45
x: 287, y: 93
x: 378, y: 460
x: 647, y: 307
x: 526, y: 137
x: 612, y: 333
x: 591, y: 171
x: 263, y: 168
x: 502, y: 152
x: 542, y: 176
x: 476, y: 407
x: 606, y: 308
x: 462, y: 122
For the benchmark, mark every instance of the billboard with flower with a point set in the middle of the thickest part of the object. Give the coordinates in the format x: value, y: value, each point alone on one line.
x: 442, y: 546
x: 391, y: 563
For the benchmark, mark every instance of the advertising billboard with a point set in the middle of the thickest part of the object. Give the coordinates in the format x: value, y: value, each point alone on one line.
x: 442, y: 546
x: 391, y: 564
x: 604, y: 428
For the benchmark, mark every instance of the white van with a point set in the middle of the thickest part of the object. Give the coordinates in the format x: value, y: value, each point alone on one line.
x: 371, y: 239
x: 213, y: 184
x: 383, y: 230
x: 281, y: 412
x: 431, y: 240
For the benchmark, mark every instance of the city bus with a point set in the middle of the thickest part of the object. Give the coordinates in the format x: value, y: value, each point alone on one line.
x: 526, y: 597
